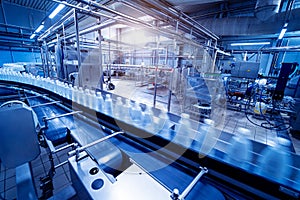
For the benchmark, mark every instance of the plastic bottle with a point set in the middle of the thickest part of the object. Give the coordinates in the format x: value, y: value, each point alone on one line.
x: 136, y: 114
x: 74, y: 94
x: 93, y: 100
x: 86, y: 99
x: 80, y: 99
x: 108, y: 105
x: 100, y: 102
x: 127, y: 111
x: 118, y: 109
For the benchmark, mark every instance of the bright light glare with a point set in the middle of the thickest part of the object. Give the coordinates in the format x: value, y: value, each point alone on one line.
x: 56, y: 11
x: 39, y: 28
x: 32, y: 36
x: 282, y: 33
x: 250, y: 43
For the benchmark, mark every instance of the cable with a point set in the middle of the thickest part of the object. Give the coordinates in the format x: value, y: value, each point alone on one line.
x: 268, y: 124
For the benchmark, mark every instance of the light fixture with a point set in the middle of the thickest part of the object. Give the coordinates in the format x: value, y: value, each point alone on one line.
x: 282, y: 32
x: 39, y: 28
x: 249, y: 43
x: 32, y: 36
x: 56, y: 11
x: 223, y: 52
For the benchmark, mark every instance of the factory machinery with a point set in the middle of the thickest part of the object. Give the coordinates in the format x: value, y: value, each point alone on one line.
x: 125, y: 150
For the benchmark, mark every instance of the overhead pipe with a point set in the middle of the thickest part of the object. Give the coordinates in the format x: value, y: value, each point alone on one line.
x: 132, y: 19
x: 98, y: 14
x: 86, y: 31
x: 155, y: 13
x: 92, y: 29
x: 55, y: 26
x: 84, y: 10
x: 69, y: 16
x: 182, y: 17
x: 105, y: 8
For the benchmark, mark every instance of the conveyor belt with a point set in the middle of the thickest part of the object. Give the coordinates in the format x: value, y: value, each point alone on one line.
x: 219, y: 170
x: 110, y: 158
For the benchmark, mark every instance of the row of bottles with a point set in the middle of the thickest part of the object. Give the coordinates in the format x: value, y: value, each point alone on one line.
x: 271, y: 163
x: 128, y: 111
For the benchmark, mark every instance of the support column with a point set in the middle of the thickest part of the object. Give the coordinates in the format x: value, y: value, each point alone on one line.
x: 77, y: 45
x: 100, y: 58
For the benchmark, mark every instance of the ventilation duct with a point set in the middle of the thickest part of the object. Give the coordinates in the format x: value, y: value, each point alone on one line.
x: 264, y: 9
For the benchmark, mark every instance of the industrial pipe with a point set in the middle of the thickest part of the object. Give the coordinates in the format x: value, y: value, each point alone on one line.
x: 187, y: 20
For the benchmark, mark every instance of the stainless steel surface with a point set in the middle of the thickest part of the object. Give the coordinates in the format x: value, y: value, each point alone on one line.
x: 133, y: 183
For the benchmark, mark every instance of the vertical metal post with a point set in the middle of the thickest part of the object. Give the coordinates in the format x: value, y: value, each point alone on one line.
x: 172, y: 73
x: 64, y: 51
x: 100, y: 57
x: 170, y: 90
x: 47, y: 59
x: 155, y: 86
x: 77, y: 45
x: 43, y: 61
x: 156, y: 70
x: 215, y: 58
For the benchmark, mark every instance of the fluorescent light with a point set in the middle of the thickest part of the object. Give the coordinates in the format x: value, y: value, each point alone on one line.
x: 39, y: 28
x: 32, y: 36
x: 56, y: 11
x: 282, y: 33
x: 223, y: 52
x: 249, y: 43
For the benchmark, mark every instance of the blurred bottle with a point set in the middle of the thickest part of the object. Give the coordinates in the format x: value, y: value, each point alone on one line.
x: 147, y: 117
x: 239, y: 150
x: 274, y: 163
x: 136, y: 113
x: 184, y: 133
